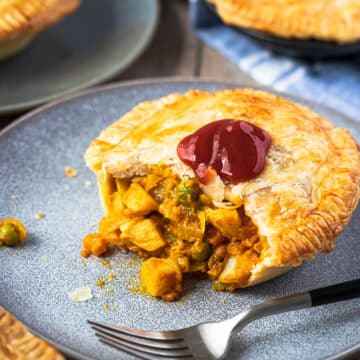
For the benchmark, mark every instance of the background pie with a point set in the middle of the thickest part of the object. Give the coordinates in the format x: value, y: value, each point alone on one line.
x: 17, y: 343
x: 21, y: 20
x: 302, y: 19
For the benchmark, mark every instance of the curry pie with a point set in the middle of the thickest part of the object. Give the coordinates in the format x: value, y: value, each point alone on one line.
x: 17, y: 343
x: 303, y: 19
x: 237, y: 185
x: 21, y: 20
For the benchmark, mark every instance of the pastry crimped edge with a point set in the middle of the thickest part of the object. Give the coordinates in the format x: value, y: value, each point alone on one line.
x: 319, y: 19
x: 298, y: 234
x: 20, y: 18
x: 17, y: 343
x: 21, y: 21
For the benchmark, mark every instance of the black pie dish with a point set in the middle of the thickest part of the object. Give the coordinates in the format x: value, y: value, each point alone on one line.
x: 309, y: 49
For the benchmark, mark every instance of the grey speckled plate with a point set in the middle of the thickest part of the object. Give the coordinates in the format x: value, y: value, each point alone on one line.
x: 96, y: 42
x: 37, y: 277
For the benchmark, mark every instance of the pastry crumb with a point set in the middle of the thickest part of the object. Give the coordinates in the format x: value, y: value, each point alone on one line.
x: 39, y: 215
x: 44, y: 257
x: 106, y: 307
x: 87, y: 184
x: 81, y: 294
x: 15, y: 197
x: 106, y: 263
x: 135, y: 286
x: 100, y: 283
x: 107, y: 285
x: 70, y: 172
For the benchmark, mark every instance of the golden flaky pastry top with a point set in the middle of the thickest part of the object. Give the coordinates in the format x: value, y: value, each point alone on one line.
x: 300, y: 202
x: 320, y: 19
x: 17, y: 343
x: 26, y: 17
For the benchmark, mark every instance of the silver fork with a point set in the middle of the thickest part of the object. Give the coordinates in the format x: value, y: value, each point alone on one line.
x: 209, y: 341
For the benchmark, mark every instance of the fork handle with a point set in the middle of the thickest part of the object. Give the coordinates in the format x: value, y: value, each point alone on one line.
x: 343, y: 291
x: 330, y: 294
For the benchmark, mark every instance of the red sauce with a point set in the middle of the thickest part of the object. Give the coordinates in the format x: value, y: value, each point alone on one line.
x: 235, y: 149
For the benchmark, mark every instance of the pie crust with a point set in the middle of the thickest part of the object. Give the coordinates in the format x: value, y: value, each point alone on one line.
x: 300, y: 202
x: 17, y: 343
x: 20, y: 20
x: 303, y: 19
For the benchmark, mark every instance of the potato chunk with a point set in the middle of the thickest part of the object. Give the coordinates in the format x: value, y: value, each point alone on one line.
x: 117, y: 202
x: 238, y: 268
x: 227, y: 221
x: 145, y: 235
x: 94, y: 244
x: 117, y: 196
x: 138, y: 201
x: 161, y: 278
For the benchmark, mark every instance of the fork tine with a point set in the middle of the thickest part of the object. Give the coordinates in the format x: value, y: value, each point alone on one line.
x: 140, y: 341
x: 129, y: 351
x: 136, y: 352
x: 168, y: 336
x: 176, y: 354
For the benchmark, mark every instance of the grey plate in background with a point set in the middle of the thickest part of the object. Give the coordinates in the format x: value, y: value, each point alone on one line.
x: 35, y: 278
x: 90, y: 46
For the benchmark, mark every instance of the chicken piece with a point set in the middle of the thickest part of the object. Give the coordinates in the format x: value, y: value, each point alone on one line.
x: 144, y: 234
x: 161, y: 278
x: 227, y: 221
x: 138, y: 201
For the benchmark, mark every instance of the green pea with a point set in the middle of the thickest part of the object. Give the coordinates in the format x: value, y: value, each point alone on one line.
x: 9, y: 235
x: 170, y: 236
x: 187, y: 191
x: 201, y: 251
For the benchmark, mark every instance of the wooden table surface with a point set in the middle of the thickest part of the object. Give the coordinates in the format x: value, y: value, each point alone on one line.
x: 175, y: 51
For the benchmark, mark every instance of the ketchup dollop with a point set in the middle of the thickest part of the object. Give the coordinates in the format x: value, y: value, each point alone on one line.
x: 235, y: 149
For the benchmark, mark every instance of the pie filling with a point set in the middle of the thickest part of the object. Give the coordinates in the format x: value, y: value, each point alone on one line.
x: 176, y: 228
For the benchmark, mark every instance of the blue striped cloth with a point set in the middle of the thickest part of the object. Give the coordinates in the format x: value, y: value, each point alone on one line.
x: 335, y: 83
